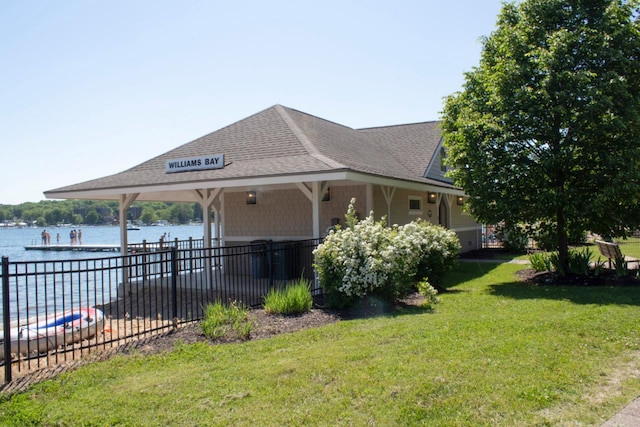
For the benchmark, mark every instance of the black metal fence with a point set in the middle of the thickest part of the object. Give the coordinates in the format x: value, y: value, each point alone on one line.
x: 56, y: 311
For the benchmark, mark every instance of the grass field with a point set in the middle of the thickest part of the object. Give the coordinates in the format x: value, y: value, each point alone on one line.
x: 495, y: 351
x: 630, y: 248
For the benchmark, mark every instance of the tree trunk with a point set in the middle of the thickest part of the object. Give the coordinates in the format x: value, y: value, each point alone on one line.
x: 563, y: 243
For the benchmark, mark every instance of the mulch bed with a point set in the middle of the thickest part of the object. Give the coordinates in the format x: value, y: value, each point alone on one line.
x: 605, y: 278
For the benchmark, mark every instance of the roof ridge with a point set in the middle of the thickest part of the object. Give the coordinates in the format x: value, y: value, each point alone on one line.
x: 306, y: 142
x: 401, y: 124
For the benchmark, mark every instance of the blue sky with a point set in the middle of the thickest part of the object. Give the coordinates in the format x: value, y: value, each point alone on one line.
x: 91, y: 88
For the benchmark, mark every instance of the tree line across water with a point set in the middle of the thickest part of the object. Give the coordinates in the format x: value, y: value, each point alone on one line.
x: 103, y: 212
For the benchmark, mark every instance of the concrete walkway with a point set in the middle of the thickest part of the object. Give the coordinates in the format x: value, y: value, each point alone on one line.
x: 628, y: 417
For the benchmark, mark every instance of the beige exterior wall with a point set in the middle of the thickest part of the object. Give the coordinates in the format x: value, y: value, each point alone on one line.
x: 459, y: 217
x: 399, y: 212
x: 338, y: 204
x: 470, y: 240
x: 286, y: 214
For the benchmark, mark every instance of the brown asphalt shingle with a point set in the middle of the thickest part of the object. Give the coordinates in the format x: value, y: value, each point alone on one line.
x: 284, y: 141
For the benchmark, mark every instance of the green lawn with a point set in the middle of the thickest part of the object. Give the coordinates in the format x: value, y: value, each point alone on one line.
x: 630, y: 248
x: 495, y: 351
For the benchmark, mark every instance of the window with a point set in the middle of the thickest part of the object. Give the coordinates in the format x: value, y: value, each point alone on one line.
x: 443, y: 158
x: 415, y: 205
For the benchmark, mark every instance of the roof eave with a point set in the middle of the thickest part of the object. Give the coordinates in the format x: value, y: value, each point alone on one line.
x: 184, y: 191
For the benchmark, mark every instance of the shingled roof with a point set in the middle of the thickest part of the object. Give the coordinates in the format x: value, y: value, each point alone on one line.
x: 279, y: 142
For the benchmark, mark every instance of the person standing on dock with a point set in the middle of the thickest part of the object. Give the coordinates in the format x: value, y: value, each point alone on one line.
x: 46, y: 238
x: 58, y: 238
x: 79, y: 236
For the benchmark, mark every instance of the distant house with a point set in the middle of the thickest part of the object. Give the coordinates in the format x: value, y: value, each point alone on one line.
x: 283, y: 174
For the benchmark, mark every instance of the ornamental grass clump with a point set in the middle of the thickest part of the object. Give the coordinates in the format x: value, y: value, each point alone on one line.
x: 230, y: 322
x: 539, y: 261
x: 367, y: 258
x: 292, y: 300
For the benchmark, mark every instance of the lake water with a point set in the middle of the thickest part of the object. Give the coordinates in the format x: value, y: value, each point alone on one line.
x: 13, y: 240
x: 33, y: 293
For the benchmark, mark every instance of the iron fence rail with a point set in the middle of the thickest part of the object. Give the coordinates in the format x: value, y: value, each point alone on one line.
x: 148, y: 292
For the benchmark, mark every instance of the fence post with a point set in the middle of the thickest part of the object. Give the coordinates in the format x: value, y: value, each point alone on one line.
x: 174, y: 285
x: 6, y: 319
x: 270, y: 262
x: 191, y: 267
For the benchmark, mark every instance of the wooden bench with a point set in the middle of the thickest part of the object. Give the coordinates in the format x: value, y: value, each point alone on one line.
x: 611, y: 251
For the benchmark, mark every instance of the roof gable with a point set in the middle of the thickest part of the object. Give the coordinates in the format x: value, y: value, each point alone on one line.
x: 260, y: 136
x: 414, y: 145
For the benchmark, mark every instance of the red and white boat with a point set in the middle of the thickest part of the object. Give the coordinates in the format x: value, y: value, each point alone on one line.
x: 43, y: 335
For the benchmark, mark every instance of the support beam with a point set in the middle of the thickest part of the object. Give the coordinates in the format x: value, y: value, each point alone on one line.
x: 388, y: 193
x: 315, y: 207
x: 207, y: 197
x: 305, y: 190
x: 314, y: 193
x: 124, y: 203
x: 369, y: 198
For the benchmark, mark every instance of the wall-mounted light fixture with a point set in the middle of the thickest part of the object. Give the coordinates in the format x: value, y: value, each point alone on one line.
x: 432, y: 197
x: 251, y: 197
x: 460, y: 200
x: 326, y: 197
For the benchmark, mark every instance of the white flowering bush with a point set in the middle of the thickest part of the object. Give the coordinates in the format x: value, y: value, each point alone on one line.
x: 368, y: 258
x: 434, y: 249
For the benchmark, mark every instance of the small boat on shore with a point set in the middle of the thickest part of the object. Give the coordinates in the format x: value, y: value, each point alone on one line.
x: 43, y: 335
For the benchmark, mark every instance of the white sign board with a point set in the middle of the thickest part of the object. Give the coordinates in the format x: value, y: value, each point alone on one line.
x: 195, y: 163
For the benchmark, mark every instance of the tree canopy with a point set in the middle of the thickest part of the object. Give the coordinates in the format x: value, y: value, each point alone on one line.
x: 91, y: 212
x: 546, y: 129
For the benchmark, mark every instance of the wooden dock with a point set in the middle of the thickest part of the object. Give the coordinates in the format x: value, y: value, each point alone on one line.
x: 83, y: 247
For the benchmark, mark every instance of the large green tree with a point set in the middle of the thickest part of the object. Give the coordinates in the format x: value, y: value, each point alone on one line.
x: 547, y: 127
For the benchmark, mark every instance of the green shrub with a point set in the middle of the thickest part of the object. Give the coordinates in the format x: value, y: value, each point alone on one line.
x: 579, y: 261
x: 598, y: 266
x: 539, y: 261
x: 546, y: 237
x: 621, y: 266
x: 554, y: 259
x: 294, y: 299
x: 221, y: 321
x: 429, y: 292
x: 514, y: 237
x: 437, y: 249
x: 369, y: 259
